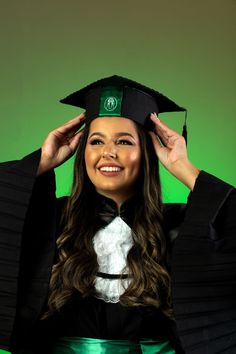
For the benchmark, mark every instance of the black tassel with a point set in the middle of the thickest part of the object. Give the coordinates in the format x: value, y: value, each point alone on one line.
x: 184, y: 131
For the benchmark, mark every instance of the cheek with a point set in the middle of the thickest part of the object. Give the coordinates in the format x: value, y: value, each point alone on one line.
x: 86, y: 157
x: 90, y: 157
x: 134, y: 160
x: 89, y: 164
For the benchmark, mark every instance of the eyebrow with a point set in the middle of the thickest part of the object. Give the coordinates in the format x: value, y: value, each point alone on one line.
x: 116, y: 134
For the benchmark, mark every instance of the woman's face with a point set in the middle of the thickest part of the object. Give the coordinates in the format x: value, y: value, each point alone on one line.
x: 113, y: 157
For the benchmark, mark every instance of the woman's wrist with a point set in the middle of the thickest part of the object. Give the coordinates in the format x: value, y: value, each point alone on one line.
x: 186, y: 172
x: 41, y: 169
x: 44, y: 165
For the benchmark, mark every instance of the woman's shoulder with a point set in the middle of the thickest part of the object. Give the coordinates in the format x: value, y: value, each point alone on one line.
x: 212, y: 202
x: 209, y: 196
x: 173, y: 214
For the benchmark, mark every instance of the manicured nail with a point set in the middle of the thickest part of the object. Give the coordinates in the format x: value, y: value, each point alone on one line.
x: 155, y: 115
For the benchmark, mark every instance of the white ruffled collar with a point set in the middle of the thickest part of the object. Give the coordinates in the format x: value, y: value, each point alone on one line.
x: 112, y: 245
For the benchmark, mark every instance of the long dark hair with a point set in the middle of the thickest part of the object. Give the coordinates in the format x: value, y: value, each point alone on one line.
x: 77, y: 261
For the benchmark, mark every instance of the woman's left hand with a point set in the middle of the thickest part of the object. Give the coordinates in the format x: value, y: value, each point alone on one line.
x: 171, y: 150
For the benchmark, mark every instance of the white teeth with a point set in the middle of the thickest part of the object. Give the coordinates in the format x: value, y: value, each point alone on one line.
x: 110, y: 169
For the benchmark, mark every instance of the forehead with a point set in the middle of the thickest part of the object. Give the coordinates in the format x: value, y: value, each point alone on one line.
x: 113, y: 125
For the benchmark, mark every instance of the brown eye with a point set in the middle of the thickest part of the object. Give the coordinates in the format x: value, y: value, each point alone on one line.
x: 124, y: 142
x: 96, y: 142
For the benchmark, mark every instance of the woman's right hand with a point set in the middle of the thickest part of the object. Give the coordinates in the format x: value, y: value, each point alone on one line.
x: 60, y: 144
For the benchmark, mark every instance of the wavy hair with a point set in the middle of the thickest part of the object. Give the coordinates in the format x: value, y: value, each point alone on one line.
x: 77, y: 264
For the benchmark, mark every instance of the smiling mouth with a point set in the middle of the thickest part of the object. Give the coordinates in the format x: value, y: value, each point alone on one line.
x: 110, y: 169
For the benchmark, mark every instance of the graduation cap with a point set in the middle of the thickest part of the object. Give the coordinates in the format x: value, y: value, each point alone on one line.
x: 117, y: 96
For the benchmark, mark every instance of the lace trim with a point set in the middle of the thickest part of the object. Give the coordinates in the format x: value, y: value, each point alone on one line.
x: 110, y: 290
x: 112, y: 245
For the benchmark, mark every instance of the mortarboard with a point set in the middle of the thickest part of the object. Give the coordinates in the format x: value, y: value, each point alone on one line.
x: 121, y: 97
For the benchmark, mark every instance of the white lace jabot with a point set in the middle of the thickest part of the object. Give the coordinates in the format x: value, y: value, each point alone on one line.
x: 112, y: 245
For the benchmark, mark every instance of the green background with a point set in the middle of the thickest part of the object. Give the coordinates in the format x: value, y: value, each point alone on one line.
x: 185, y: 49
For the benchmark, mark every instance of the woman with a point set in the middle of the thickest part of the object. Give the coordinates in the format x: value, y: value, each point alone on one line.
x: 101, y: 290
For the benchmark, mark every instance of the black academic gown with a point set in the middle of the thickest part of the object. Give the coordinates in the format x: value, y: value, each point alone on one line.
x: 203, y: 261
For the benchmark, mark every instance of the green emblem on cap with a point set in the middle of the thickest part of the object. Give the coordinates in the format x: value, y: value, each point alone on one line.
x: 111, y: 101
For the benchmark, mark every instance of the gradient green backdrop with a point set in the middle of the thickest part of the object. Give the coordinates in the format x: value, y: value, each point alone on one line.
x: 185, y: 49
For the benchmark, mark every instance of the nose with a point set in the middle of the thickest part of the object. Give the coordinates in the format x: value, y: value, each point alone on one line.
x: 109, y: 151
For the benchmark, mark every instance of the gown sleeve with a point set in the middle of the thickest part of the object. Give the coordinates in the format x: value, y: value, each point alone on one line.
x: 204, y: 269
x: 27, y: 225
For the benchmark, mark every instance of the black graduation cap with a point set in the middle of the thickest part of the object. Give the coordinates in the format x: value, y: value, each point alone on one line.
x: 121, y: 97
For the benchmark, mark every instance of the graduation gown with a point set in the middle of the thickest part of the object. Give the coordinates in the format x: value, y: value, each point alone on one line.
x: 203, y: 261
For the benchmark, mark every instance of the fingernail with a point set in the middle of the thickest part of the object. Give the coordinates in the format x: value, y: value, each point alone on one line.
x: 156, y: 116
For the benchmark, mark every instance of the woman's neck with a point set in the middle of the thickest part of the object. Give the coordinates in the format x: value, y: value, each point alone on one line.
x: 117, y: 198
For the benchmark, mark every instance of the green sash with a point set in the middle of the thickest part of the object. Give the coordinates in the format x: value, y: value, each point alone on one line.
x: 77, y: 345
